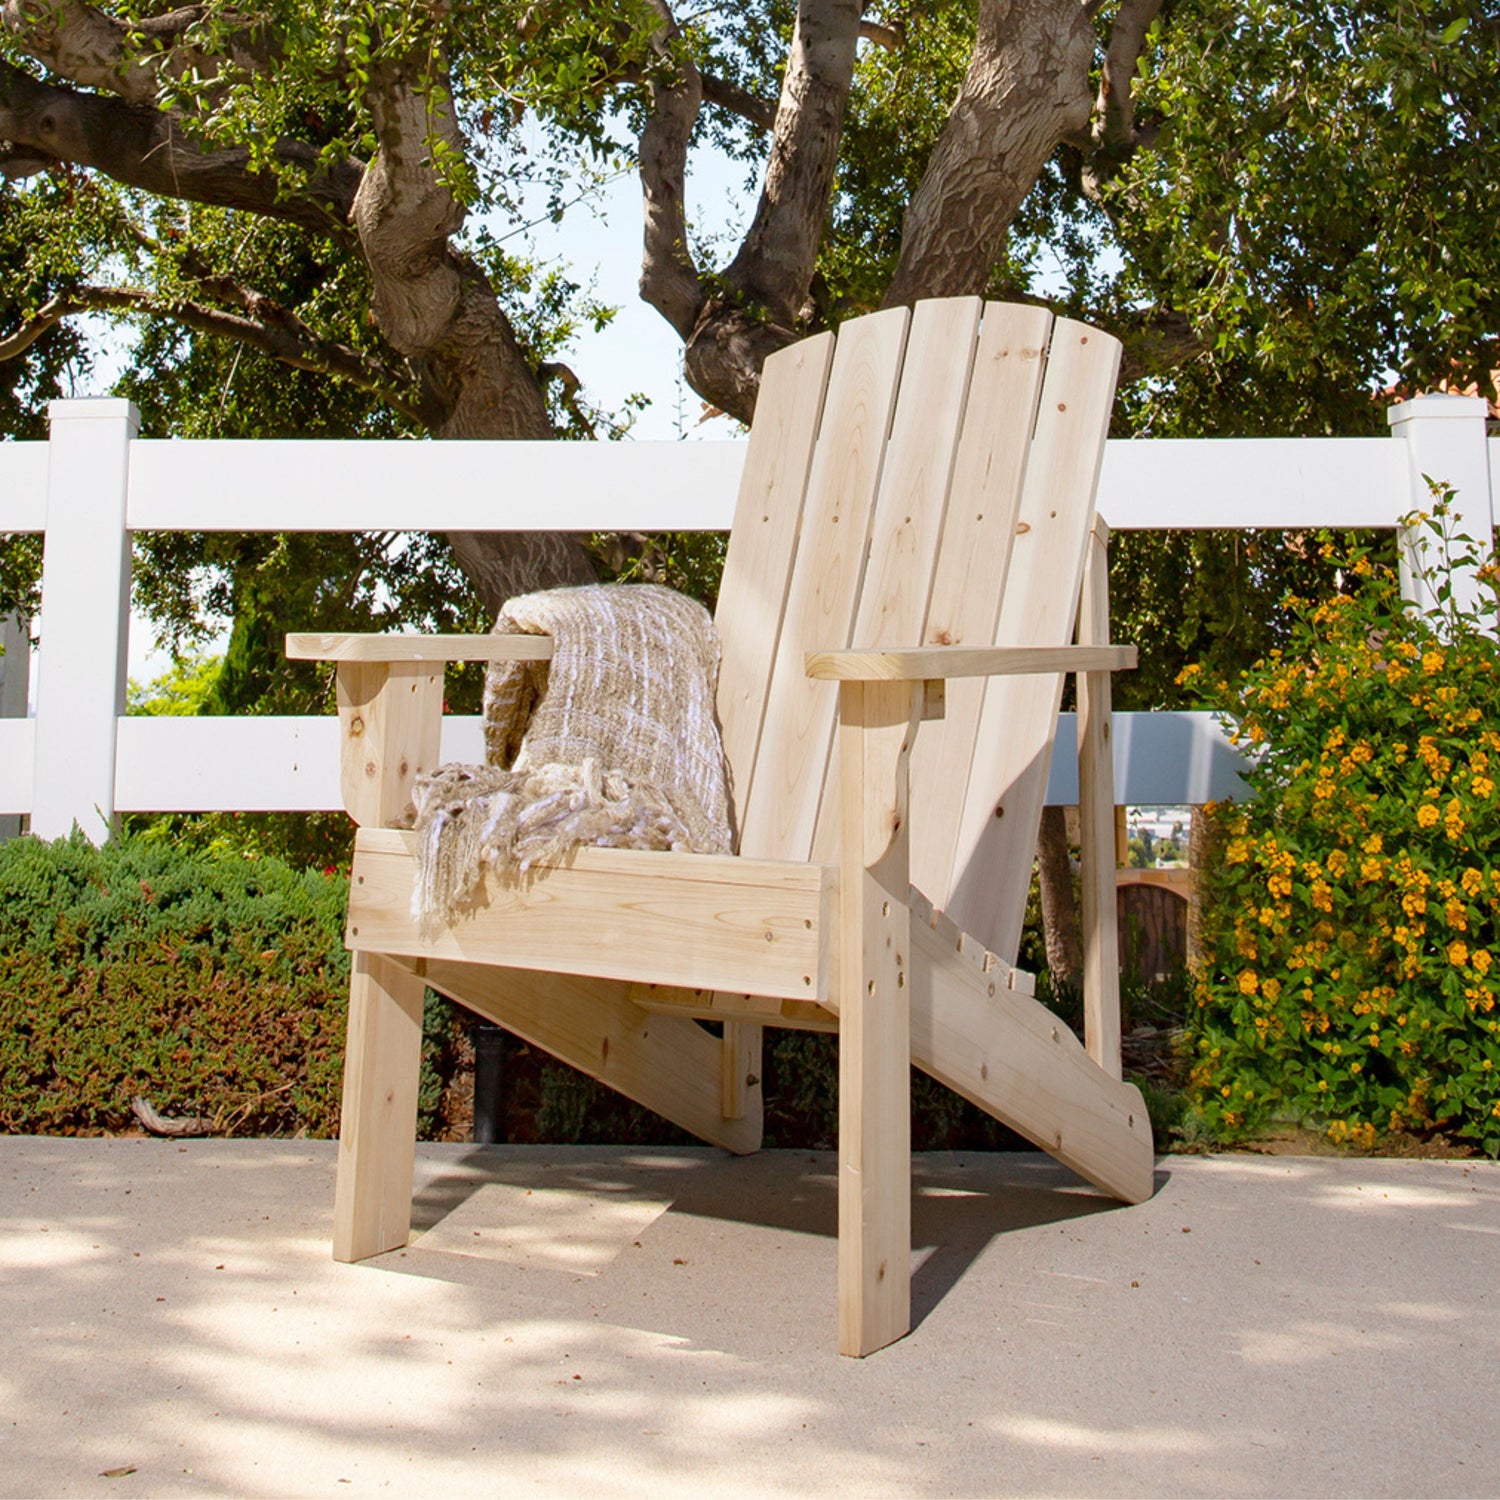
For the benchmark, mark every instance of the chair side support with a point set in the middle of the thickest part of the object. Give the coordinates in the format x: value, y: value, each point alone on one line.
x: 1096, y: 817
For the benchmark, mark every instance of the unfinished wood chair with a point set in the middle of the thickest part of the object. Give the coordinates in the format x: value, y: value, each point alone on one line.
x: 914, y: 545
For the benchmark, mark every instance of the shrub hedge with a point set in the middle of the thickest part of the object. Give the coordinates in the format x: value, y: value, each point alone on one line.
x: 211, y: 986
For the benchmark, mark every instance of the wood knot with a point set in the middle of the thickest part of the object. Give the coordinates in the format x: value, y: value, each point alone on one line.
x: 356, y: 727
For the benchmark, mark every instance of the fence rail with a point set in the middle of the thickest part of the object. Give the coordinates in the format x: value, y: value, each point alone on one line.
x: 95, y: 482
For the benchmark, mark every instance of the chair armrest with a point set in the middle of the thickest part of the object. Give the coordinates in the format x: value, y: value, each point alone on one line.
x: 434, y: 648
x: 929, y: 662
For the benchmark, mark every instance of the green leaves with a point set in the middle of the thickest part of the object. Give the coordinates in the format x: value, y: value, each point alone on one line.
x: 1352, y: 978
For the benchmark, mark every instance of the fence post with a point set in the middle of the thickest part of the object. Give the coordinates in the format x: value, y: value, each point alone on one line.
x: 15, y: 684
x: 1446, y: 441
x: 81, y: 663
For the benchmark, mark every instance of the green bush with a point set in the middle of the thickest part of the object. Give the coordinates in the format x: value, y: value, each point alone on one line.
x: 210, y: 986
x: 1352, y: 925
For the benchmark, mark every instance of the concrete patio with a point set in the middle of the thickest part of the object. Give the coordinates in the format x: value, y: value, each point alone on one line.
x: 591, y: 1321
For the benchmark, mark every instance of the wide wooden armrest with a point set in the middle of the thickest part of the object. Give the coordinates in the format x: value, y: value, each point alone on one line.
x: 926, y: 663
x: 354, y: 647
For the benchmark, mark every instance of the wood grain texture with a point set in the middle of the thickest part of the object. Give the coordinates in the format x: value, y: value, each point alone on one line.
x: 752, y: 600
x: 378, y: 1123
x: 947, y: 662
x: 718, y: 1005
x: 667, y: 1063
x: 997, y: 830
x: 1014, y: 1058
x: 1096, y: 812
x: 390, y: 728
x: 972, y: 560
x: 912, y: 499
x: 781, y: 803
x: 422, y: 648
x: 877, y: 722
x: 699, y: 920
x: 758, y: 564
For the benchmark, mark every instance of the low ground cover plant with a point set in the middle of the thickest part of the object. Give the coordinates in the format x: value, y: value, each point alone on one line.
x: 1351, y: 939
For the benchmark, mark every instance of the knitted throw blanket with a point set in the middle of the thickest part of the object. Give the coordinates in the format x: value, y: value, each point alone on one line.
x: 614, y: 741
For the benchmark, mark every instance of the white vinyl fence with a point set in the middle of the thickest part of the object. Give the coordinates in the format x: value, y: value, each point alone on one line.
x: 95, y: 482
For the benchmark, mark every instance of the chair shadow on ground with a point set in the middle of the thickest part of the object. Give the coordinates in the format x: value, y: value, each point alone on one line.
x: 960, y: 1201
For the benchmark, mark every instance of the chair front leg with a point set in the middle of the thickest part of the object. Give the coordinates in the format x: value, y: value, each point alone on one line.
x: 876, y: 725
x: 378, y: 1128
x: 390, y: 715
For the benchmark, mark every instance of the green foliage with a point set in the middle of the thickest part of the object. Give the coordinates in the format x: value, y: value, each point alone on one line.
x: 211, y: 987
x: 1318, y: 201
x: 1353, y: 919
x: 180, y: 692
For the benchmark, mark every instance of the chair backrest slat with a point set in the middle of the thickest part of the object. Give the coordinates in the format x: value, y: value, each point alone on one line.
x: 914, y: 484
x: 913, y: 498
x: 972, y: 562
x: 786, y: 784
x: 758, y: 565
x: 1007, y: 781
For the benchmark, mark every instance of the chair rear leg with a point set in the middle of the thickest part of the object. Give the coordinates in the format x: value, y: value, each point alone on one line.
x: 378, y: 1130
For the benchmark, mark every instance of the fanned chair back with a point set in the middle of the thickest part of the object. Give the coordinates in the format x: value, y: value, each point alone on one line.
x: 927, y: 479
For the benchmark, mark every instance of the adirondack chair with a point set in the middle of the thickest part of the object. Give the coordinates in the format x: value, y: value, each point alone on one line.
x: 914, y: 545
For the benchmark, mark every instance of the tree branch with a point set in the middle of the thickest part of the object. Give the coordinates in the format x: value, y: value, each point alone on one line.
x: 669, y: 277
x: 86, y: 45
x: 1114, y: 132
x: 152, y: 149
x: 1157, y: 342
x: 892, y: 38
x: 776, y: 259
x: 269, y: 327
x: 738, y: 101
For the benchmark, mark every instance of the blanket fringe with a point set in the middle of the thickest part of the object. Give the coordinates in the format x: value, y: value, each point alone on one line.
x: 473, y: 819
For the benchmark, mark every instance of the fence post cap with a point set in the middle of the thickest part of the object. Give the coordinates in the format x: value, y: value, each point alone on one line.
x: 1438, y: 404
x: 95, y: 409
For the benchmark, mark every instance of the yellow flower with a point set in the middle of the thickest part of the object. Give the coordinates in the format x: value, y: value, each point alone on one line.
x: 1456, y: 916
x: 1248, y: 982
x: 1338, y: 862
x: 1374, y: 844
x: 1481, y: 961
x: 1432, y: 661
x: 1458, y: 953
x: 1427, y: 815
x: 1471, y: 881
x: 1271, y: 989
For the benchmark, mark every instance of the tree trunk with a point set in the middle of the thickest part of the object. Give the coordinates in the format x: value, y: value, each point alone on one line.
x: 1027, y: 89
x: 437, y: 308
x: 1202, y: 840
x: 1060, y: 924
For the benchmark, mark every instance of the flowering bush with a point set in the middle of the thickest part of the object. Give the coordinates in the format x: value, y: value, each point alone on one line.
x: 1352, y: 923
